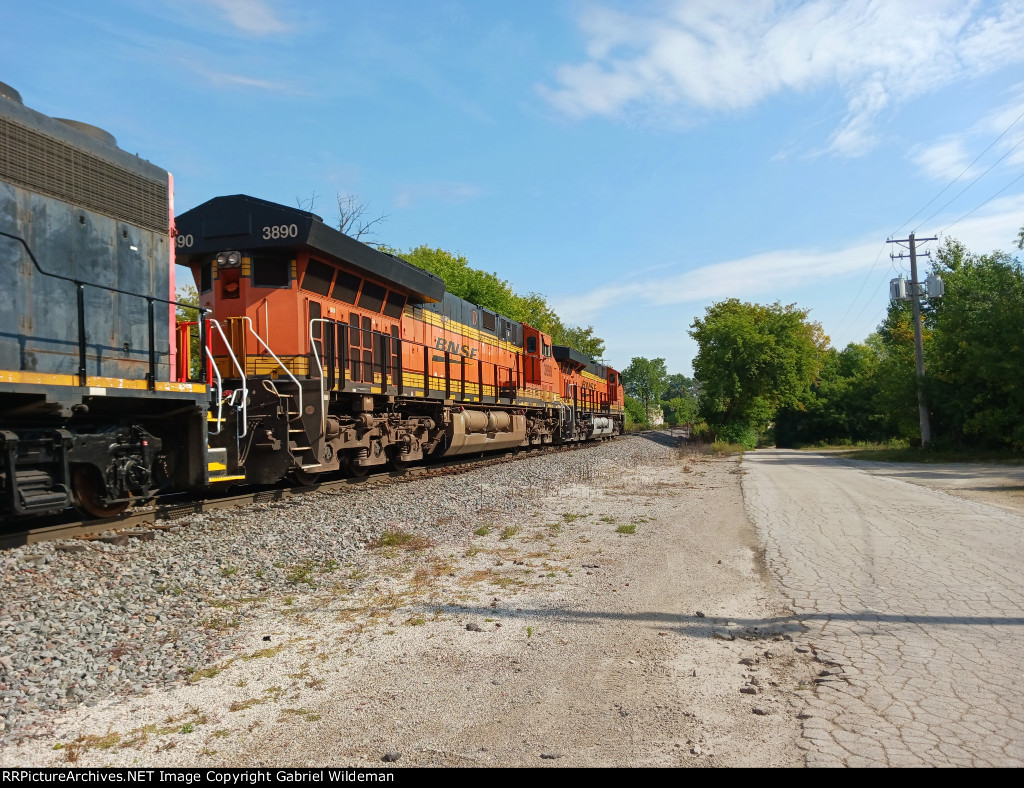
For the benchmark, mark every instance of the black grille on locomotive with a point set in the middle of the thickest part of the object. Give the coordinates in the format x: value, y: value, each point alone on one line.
x: 52, y: 167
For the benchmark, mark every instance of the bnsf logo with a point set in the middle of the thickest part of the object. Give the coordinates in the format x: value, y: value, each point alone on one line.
x: 455, y: 349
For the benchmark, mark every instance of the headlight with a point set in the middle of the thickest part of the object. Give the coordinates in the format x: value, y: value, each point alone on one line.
x: 229, y: 259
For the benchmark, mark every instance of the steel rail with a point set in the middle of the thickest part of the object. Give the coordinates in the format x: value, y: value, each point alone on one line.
x: 178, y: 506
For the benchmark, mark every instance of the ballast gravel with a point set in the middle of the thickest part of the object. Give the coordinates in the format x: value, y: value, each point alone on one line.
x: 81, y: 626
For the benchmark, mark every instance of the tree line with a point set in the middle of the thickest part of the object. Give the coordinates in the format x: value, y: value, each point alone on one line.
x: 768, y: 373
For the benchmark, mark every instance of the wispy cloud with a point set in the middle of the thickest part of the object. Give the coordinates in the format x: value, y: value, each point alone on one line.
x: 436, y: 191
x: 765, y: 277
x: 1001, y: 129
x: 695, y: 58
x: 253, y: 17
x: 226, y: 79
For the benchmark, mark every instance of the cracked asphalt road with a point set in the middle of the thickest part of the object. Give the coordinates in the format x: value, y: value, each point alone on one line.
x: 913, y: 596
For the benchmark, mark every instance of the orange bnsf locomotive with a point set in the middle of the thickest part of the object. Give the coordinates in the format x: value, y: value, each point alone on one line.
x: 341, y: 357
x: 316, y: 353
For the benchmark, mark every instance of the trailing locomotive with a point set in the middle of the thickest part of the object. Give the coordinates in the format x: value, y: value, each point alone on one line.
x: 318, y: 353
x: 91, y: 411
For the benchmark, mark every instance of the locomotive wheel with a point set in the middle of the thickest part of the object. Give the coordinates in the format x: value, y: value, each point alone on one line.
x: 88, y: 489
x: 395, y: 461
x: 352, y: 469
x: 304, y: 478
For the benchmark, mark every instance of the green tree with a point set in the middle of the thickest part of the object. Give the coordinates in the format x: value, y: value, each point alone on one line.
x: 635, y: 414
x: 189, y: 295
x: 753, y: 360
x: 583, y: 340
x: 679, y: 402
x: 975, y: 356
x: 492, y: 292
x: 645, y: 379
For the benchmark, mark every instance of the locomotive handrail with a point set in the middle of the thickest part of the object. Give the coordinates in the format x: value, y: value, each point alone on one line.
x: 320, y: 366
x: 220, y: 389
x: 80, y: 285
x: 248, y: 323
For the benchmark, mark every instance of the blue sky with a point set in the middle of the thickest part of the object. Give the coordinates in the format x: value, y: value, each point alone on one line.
x: 632, y: 161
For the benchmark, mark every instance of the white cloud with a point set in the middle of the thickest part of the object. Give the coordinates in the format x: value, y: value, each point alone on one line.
x: 944, y: 160
x: 436, y: 191
x: 764, y: 277
x: 702, y: 57
x: 255, y: 17
x: 227, y: 79
x: 1003, y: 129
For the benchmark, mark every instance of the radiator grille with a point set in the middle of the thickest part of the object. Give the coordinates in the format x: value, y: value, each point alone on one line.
x: 52, y: 167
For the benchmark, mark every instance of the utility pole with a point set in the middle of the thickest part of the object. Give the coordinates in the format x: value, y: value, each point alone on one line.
x: 899, y: 291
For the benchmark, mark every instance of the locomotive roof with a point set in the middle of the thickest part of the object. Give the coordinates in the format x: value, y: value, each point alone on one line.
x: 238, y: 222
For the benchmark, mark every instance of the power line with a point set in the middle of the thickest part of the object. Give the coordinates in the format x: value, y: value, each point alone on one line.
x: 925, y: 206
x: 969, y: 185
x: 1007, y: 186
x: 866, y: 278
x: 958, y: 177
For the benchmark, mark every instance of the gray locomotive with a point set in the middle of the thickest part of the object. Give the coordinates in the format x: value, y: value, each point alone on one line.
x: 91, y: 411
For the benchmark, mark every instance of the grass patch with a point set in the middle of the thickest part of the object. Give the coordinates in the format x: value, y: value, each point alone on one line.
x: 264, y: 652
x: 242, y: 705
x: 725, y: 449
x: 306, y: 714
x: 626, y: 529
x: 402, y: 539
x: 303, y: 573
x: 908, y: 454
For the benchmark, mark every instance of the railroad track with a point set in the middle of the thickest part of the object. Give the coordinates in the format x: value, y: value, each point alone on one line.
x: 143, y: 523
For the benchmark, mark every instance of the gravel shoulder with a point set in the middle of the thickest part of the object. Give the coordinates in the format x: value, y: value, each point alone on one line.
x: 606, y: 607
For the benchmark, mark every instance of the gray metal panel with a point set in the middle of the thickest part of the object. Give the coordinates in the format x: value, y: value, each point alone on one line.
x: 12, y: 273
x: 54, y: 158
x: 38, y: 314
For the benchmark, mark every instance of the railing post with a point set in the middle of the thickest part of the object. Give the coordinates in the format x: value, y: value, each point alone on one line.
x: 82, y: 372
x: 401, y: 367
x: 151, y: 377
x: 204, y: 361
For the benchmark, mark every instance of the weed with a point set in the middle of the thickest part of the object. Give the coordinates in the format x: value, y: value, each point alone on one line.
x: 626, y: 529
x: 529, y: 632
x: 242, y: 705
x: 403, y: 539
x: 308, y: 716
x: 416, y: 621
x: 569, y: 517
x: 330, y: 566
x: 607, y: 519
x: 188, y: 727
x: 509, y: 531
x: 483, y: 530
x: 289, y: 600
x: 303, y: 573
x: 227, y: 571
x: 205, y: 673
x: 266, y: 652
x: 221, y: 734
